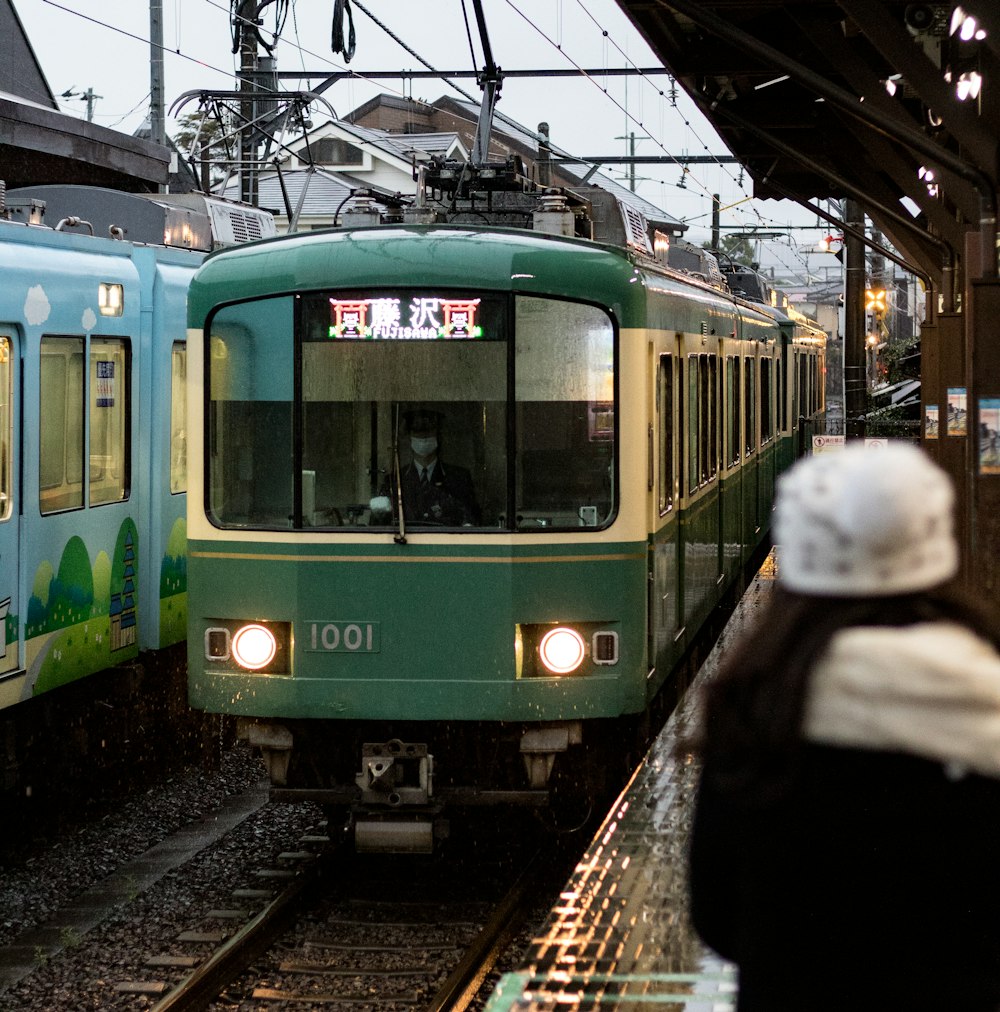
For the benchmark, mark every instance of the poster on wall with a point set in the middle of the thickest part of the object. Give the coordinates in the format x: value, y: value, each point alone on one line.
x: 824, y: 444
x: 956, y: 411
x: 989, y: 428
x: 931, y: 421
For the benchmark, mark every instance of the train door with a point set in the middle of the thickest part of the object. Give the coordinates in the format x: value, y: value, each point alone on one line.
x: 10, y: 443
x: 664, y: 598
x: 751, y: 457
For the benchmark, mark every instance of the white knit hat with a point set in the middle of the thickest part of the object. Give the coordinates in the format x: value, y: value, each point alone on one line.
x: 865, y: 523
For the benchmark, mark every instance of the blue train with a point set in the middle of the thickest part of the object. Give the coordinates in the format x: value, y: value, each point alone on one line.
x: 92, y: 434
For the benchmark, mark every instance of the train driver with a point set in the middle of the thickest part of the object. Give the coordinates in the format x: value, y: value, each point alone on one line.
x: 434, y: 491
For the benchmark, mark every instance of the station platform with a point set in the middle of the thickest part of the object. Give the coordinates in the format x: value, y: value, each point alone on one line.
x: 620, y: 937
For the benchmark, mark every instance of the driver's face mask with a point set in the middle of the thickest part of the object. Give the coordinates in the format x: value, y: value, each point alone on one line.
x: 423, y: 446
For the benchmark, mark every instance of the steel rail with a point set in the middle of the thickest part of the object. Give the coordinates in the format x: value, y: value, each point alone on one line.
x: 254, y: 938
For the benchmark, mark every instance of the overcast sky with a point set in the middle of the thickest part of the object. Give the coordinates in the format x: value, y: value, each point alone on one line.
x: 102, y: 45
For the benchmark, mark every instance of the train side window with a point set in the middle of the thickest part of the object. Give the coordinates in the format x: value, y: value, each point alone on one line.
x: 707, y: 419
x: 798, y: 391
x: 178, y: 417
x: 713, y: 415
x: 6, y: 428
x: 821, y: 380
x: 781, y: 402
x: 804, y: 406
x: 565, y: 414
x: 110, y: 397
x: 61, y: 431
x: 750, y: 405
x: 249, y: 420
x: 665, y: 397
x: 733, y: 410
x: 766, y: 405
x: 694, y: 422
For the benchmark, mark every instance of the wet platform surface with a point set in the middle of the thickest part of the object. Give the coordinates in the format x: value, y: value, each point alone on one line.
x: 620, y: 937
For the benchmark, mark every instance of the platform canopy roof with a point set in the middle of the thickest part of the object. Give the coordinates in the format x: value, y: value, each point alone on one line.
x: 41, y: 144
x: 858, y: 99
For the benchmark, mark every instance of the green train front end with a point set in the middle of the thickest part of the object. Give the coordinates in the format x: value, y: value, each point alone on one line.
x: 411, y: 659
x: 500, y: 641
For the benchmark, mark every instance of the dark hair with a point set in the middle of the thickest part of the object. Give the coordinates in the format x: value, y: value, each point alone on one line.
x: 753, y: 708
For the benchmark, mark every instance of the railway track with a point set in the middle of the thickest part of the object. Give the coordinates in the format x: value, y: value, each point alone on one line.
x: 266, y: 908
x: 386, y: 935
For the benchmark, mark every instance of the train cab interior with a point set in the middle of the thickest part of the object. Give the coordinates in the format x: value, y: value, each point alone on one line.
x: 326, y: 441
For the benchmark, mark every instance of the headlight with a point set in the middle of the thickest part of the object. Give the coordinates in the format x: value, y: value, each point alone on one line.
x: 254, y: 646
x: 562, y: 650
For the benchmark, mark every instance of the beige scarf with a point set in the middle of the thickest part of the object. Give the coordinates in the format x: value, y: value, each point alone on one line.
x: 931, y: 690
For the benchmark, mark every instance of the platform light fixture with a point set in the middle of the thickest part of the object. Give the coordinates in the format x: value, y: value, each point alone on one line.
x: 969, y: 85
x: 926, y: 176
x: 963, y: 72
x: 965, y: 26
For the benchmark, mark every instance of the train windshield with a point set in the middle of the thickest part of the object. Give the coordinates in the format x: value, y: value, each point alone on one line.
x: 432, y: 408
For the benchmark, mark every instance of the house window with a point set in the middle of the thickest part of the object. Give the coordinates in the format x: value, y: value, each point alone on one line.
x: 336, y: 151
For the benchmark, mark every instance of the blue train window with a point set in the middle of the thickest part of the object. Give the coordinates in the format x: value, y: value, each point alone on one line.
x: 178, y: 417
x: 61, y: 417
x: 6, y: 429
x: 109, y: 420
x: 71, y: 426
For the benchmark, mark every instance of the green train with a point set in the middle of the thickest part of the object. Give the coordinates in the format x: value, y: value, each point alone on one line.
x: 461, y: 496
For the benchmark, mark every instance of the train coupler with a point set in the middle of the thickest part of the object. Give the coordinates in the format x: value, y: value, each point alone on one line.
x: 395, y: 773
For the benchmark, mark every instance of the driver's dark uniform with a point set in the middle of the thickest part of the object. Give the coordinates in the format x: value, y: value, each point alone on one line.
x: 446, y: 496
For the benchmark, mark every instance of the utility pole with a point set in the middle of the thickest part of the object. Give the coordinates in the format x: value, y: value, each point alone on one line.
x: 245, y: 21
x: 157, y: 124
x: 855, y: 388
x: 631, y: 138
x: 88, y: 96
x: 156, y: 120
x: 716, y: 205
x: 91, y: 100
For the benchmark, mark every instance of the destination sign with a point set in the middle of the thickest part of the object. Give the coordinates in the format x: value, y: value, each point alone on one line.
x: 416, y: 318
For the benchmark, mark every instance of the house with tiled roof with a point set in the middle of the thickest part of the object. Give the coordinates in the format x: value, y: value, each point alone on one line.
x: 379, y: 145
x: 319, y: 169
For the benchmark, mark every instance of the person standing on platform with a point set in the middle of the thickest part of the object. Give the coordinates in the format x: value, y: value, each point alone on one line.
x: 845, y: 852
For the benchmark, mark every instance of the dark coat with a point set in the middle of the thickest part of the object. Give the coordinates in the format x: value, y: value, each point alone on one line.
x: 873, y: 885
x: 448, y: 498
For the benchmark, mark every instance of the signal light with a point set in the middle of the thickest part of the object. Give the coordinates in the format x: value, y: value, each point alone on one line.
x: 875, y: 301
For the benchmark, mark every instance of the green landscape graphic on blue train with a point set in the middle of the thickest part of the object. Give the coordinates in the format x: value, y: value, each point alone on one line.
x: 85, y: 615
x: 173, y: 586
x: 8, y: 633
x: 82, y: 618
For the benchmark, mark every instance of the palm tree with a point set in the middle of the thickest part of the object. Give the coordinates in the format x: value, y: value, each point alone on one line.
x: 203, y: 142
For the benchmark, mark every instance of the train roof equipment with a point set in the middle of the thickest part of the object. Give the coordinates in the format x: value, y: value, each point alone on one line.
x: 195, y: 221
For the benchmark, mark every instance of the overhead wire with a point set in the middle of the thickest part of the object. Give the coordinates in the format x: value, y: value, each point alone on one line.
x: 686, y: 171
x: 558, y: 46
